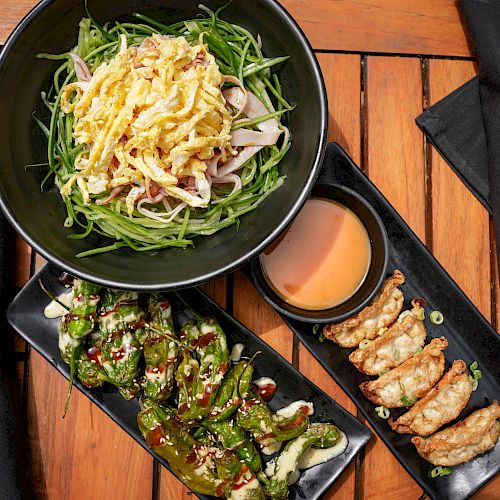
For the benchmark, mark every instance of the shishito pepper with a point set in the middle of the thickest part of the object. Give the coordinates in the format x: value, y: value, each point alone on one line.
x: 233, y: 389
x: 160, y: 349
x: 186, y: 374
x: 237, y: 478
x: 81, y: 317
x: 317, y: 436
x: 232, y: 437
x: 90, y: 372
x: 120, y: 319
x: 209, y: 342
x: 193, y: 462
x: 77, y: 324
x: 268, y: 428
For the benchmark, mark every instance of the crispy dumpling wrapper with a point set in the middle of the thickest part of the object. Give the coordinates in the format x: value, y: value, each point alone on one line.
x: 397, y: 344
x: 383, y: 311
x: 463, y: 441
x: 411, y: 380
x: 440, y: 405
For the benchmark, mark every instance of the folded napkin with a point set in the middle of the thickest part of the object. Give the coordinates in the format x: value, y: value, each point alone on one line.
x: 12, y: 472
x: 465, y: 126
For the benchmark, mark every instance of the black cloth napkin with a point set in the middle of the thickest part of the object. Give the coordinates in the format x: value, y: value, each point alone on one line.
x: 465, y: 126
x: 11, y: 441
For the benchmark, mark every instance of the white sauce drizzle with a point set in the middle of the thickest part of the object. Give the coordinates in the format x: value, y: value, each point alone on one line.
x: 243, y: 492
x: 292, y: 408
x: 236, y: 351
x: 54, y: 310
x: 316, y: 456
x: 271, y: 449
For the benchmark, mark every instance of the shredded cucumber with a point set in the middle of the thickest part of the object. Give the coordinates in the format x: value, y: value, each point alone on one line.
x: 237, y: 53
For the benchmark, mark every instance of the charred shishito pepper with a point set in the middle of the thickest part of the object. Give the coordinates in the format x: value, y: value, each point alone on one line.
x: 77, y: 324
x: 120, y: 322
x: 233, y: 389
x: 81, y: 317
x: 160, y: 349
x: 232, y: 437
x: 209, y: 342
x: 317, y: 436
x: 193, y: 462
x: 89, y: 370
x: 269, y: 428
x: 238, y: 480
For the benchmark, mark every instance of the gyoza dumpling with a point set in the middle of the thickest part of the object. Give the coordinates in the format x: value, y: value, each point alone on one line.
x: 400, y: 342
x: 383, y: 310
x: 461, y: 442
x: 410, y: 380
x: 440, y: 405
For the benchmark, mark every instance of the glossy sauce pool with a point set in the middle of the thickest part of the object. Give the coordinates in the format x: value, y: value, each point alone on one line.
x: 322, y: 259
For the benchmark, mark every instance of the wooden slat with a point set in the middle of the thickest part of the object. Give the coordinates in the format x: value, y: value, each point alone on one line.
x: 394, y: 26
x: 342, y: 74
x: 254, y: 312
x: 343, y: 83
x: 395, y: 152
x: 395, y: 162
x: 457, y: 216
x: 455, y: 210
x: 169, y: 487
x: 86, y: 455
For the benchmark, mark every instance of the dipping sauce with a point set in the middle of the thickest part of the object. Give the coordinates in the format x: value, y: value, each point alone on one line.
x: 322, y: 259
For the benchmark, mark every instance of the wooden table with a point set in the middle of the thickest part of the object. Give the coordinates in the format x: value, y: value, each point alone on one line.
x: 384, y: 61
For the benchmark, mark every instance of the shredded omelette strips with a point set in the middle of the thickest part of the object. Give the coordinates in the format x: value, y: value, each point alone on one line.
x: 153, y: 113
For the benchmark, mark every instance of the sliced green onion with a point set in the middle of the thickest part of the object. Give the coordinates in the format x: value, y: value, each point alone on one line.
x: 316, y: 329
x: 436, y: 317
x: 396, y: 353
x: 365, y: 344
x: 383, y: 372
x: 408, y: 401
x: 420, y: 314
x: 418, y: 349
x: 383, y: 412
x: 476, y: 375
x: 440, y: 471
x: 382, y: 330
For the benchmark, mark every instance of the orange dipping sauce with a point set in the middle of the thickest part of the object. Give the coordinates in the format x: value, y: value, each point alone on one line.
x: 322, y: 259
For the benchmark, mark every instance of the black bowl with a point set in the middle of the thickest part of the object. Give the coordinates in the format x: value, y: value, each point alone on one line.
x: 52, y: 27
x: 376, y: 273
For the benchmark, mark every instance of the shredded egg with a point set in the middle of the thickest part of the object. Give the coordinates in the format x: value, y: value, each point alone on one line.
x: 153, y: 113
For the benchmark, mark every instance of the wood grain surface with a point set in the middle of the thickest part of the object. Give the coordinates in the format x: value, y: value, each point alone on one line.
x: 373, y: 101
x: 401, y: 26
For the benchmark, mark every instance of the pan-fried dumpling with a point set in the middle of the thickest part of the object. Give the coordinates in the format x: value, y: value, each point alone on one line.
x: 440, y: 405
x: 383, y: 311
x: 461, y: 442
x: 410, y: 380
x: 399, y: 343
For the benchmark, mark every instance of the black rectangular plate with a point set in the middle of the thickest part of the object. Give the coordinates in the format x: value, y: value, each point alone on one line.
x: 469, y: 335
x: 25, y: 314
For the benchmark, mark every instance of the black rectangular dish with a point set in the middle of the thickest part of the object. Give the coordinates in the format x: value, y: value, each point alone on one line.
x: 25, y: 314
x: 470, y: 338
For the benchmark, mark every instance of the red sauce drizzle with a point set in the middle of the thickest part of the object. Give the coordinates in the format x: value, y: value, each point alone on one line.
x: 265, y: 391
x: 94, y: 354
x: 296, y: 422
x: 155, y: 437
x: 204, y: 340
